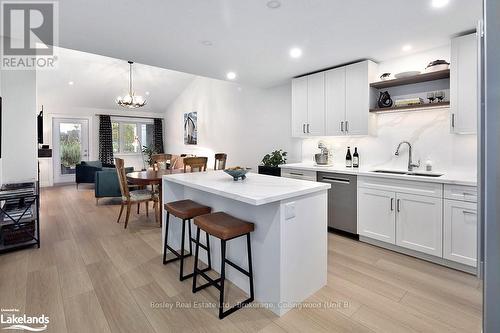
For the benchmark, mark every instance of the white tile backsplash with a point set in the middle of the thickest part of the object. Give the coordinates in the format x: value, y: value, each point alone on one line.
x: 428, y: 131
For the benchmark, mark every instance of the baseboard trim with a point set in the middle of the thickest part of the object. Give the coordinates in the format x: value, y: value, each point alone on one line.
x: 419, y: 255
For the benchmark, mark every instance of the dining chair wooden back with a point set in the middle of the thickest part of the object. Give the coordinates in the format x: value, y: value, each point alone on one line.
x: 220, y: 161
x: 159, y: 161
x: 193, y: 163
x: 122, y: 177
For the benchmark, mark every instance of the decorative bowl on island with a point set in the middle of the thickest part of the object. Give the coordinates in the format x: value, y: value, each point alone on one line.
x: 237, y: 172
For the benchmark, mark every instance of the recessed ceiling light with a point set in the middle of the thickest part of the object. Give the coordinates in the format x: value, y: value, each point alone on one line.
x: 71, y: 83
x: 147, y: 92
x: 231, y: 75
x: 295, y: 52
x: 406, y: 47
x: 273, y: 4
x: 207, y: 42
x: 439, y: 3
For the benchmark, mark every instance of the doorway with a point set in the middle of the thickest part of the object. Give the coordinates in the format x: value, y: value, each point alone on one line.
x: 71, y: 146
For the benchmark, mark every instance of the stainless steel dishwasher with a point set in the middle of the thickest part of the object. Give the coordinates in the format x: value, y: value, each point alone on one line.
x: 342, y: 201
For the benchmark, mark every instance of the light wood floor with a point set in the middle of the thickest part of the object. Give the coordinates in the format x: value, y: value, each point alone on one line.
x: 91, y: 275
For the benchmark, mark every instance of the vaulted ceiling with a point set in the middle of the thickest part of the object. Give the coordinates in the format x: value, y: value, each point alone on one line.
x: 212, y: 37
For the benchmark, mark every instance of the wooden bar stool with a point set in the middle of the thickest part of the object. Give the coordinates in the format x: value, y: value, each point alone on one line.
x: 224, y: 227
x: 185, y: 210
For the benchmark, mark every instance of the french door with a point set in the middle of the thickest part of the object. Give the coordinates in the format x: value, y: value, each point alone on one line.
x: 71, y: 146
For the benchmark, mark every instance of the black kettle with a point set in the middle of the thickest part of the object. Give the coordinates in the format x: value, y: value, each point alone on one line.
x: 384, y: 100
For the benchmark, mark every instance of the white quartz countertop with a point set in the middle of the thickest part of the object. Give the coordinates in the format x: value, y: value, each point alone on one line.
x: 255, y: 189
x: 452, y: 177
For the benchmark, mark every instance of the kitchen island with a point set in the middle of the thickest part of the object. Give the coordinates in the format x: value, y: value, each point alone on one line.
x: 289, y: 244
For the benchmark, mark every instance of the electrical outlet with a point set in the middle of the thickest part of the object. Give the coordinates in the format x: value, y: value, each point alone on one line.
x: 289, y: 210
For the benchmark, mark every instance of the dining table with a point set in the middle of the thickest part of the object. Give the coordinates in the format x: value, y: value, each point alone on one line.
x: 151, y: 177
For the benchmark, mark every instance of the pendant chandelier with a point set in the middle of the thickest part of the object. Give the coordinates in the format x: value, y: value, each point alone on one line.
x: 131, y: 101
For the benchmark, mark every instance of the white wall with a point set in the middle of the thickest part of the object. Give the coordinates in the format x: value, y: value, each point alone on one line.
x: 428, y: 131
x: 19, y: 148
x: 60, y: 111
x: 244, y: 122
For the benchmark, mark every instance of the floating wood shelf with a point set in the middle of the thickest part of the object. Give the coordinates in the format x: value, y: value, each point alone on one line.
x: 424, y: 106
x: 432, y: 76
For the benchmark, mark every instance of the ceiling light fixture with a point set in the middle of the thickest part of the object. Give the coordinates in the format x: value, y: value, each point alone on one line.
x: 295, y: 52
x: 439, y: 3
x: 231, y: 75
x: 147, y: 93
x: 207, y: 43
x: 406, y: 48
x: 131, y: 101
x: 273, y: 4
x: 71, y: 83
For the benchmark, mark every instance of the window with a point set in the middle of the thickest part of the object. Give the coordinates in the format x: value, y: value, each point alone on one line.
x: 128, y: 136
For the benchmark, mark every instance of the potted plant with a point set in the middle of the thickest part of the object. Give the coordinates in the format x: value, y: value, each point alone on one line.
x: 271, y: 162
x: 149, y: 151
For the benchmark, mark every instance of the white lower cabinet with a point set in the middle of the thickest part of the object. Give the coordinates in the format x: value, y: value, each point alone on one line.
x: 429, y: 218
x: 376, y: 214
x: 419, y: 223
x: 460, y: 232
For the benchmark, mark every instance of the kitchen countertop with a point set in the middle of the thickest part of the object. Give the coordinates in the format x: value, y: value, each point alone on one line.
x: 255, y: 189
x: 455, y: 178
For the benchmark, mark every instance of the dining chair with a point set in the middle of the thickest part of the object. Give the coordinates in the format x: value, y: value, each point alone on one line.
x: 159, y: 161
x: 136, y: 196
x: 199, y: 163
x: 220, y: 161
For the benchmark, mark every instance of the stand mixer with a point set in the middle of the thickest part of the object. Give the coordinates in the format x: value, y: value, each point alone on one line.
x: 324, y: 157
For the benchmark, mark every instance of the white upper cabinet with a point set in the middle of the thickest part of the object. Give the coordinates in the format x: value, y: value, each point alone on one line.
x: 299, y: 106
x: 358, y: 97
x: 308, y: 105
x: 464, y: 84
x: 316, y: 104
x: 336, y: 102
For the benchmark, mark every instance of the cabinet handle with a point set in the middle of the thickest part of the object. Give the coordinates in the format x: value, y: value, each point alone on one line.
x: 303, y: 128
x: 308, y: 128
x: 452, y: 120
x: 335, y: 180
x: 342, y: 126
x: 296, y: 174
x: 346, y: 126
x: 392, y: 204
x: 467, y: 212
x: 398, y: 205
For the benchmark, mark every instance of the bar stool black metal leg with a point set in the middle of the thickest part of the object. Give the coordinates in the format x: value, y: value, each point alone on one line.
x: 250, y: 270
x: 196, y: 250
x: 181, y: 277
x: 222, y: 277
x: 208, y: 251
x: 190, y: 239
x: 166, y: 238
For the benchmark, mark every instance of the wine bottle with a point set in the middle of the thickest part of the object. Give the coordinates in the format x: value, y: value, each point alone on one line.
x: 348, y: 158
x: 355, y: 158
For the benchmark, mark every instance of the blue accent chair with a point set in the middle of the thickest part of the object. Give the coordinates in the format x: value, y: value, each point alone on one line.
x: 107, y: 184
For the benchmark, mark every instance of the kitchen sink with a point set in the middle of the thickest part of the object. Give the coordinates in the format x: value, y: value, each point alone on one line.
x: 409, y: 173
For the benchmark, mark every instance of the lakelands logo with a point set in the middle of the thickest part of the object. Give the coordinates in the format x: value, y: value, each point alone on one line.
x: 30, y: 32
x: 14, y: 321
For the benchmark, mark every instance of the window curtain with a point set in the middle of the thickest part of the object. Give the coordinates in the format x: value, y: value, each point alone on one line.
x: 158, y: 135
x: 105, y: 140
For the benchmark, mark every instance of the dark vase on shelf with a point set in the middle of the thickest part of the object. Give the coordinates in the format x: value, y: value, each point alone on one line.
x: 270, y: 170
x: 384, y: 100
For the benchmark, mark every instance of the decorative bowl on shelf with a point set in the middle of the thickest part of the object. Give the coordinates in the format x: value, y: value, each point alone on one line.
x: 406, y: 74
x: 237, y: 172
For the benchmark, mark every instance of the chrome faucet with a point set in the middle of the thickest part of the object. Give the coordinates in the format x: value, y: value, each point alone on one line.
x: 411, y: 165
